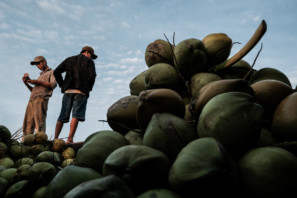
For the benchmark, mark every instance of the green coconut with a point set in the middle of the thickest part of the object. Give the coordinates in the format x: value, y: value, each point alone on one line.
x: 6, y: 162
x: 158, y: 101
x: 68, y: 178
x: 17, y: 151
x: 159, y: 51
x: 159, y: 193
x: 10, y: 174
x: 218, y: 47
x: 233, y: 118
x: 97, y: 147
x: 269, y: 93
x: 4, y: 185
x: 28, y: 140
x: 268, y: 172
x: 204, y: 168
x: 139, y: 166
x: 190, y: 57
x: 135, y: 136
x: 215, y: 88
x: 58, y: 145
x: 163, y: 75
x: 23, y: 172
x: 201, y: 79
x: 40, y: 138
x: 284, y: 120
x: 121, y: 115
x: 39, y: 193
x: 5, y: 134
x: 19, y: 189
x: 269, y: 73
x: 137, y: 84
x: 68, y: 153
x: 289, y: 146
x: 2, y: 168
x: 24, y: 160
x: 3, y: 149
x: 104, y: 187
x: 38, y: 148
x: 49, y: 156
x: 41, y: 173
x: 168, y: 134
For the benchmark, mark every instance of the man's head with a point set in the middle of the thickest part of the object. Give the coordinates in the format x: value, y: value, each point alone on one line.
x: 88, y: 50
x: 40, y: 62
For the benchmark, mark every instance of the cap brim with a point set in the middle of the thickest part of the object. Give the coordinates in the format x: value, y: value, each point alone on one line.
x: 33, y: 63
x: 94, y: 56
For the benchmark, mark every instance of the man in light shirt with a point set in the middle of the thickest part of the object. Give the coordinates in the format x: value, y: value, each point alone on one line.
x: 36, y: 111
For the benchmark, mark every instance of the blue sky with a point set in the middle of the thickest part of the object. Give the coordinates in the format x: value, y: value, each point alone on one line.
x: 120, y: 31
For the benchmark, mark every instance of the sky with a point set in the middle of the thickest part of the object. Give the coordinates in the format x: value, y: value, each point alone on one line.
x: 119, y: 31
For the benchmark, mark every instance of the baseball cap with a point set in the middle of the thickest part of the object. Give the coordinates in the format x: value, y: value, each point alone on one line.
x: 89, y: 49
x: 37, y: 59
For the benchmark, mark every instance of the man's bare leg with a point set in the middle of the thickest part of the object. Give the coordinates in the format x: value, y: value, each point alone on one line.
x: 59, y: 126
x: 73, y: 126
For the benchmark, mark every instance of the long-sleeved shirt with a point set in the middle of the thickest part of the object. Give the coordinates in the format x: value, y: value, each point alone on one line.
x: 80, y: 74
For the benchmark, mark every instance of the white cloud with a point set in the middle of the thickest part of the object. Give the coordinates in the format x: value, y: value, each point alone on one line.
x: 125, y: 24
x: 2, y: 16
x: 114, y: 72
x: 51, y: 7
x: 4, y: 26
x: 138, y: 52
x: 256, y: 18
x: 57, y: 7
x: 133, y: 60
x: 118, y: 81
x: 107, y: 79
x: 12, y: 36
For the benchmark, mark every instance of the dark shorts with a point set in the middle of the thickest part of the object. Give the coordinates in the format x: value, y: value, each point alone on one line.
x: 77, y: 103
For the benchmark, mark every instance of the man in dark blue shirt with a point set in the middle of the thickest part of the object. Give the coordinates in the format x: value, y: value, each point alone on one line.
x: 76, y: 86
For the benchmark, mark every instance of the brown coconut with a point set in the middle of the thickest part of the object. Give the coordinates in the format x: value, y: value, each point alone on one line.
x: 284, y: 120
x: 158, y: 101
x: 269, y: 93
x: 217, y: 87
x: 121, y: 115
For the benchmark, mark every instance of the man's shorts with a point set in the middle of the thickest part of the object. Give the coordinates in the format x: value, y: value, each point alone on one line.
x: 77, y: 103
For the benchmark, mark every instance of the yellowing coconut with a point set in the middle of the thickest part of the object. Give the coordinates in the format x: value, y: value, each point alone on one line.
x: 68, y: 153
x: 40, y: 138
x: 67, y: 162
x: 58, y: 145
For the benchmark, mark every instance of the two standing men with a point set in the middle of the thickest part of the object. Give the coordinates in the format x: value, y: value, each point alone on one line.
x: 76, y: 86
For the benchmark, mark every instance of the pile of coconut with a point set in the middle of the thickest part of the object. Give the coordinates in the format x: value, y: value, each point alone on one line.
x: 196, y: 124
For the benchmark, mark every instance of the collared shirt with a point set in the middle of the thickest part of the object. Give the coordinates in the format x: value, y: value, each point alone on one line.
x: 41, y: 91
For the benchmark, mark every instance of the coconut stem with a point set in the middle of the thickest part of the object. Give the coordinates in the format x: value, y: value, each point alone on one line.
x: 178, y: 72
x: 245, y: 77
x: 246, y: 48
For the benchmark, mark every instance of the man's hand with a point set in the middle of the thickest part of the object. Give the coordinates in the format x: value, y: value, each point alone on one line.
x: 26, y: 78
x: 34, y: 82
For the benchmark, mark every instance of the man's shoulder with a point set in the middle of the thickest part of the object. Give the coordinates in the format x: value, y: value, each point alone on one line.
x: 72, y: 57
